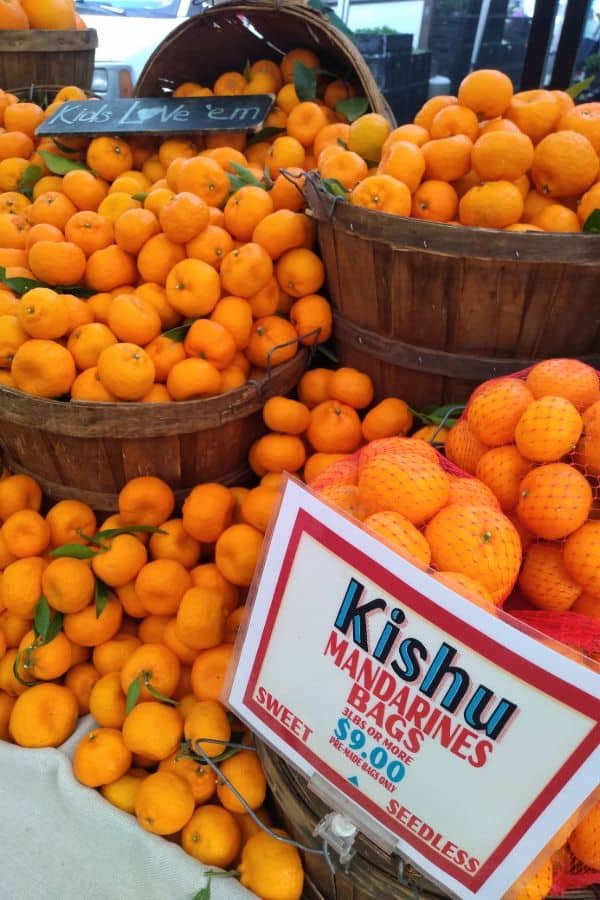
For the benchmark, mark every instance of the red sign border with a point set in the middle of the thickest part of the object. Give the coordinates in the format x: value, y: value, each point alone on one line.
x: 502, y: 656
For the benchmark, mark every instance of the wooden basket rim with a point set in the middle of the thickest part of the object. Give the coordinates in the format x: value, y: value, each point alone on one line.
x: 295, y: 8
x: 78, y: 418
x: 29, y: 88
x: 47, y: 40
x: 405, y: 233
x: 105, y: 501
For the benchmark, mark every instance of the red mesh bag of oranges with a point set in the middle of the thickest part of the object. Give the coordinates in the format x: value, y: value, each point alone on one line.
x: 534, y: 440
x: 509, y: 518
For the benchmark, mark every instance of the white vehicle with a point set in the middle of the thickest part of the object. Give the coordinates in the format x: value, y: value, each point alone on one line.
x: 128, y: 33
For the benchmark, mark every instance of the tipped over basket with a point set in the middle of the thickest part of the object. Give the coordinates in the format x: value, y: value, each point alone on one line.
x: 431, y: 310
x: 88, y: 451
x: 226, y: 36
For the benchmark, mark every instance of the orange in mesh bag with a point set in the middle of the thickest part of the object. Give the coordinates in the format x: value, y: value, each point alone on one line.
x: 576, y: 864
x: 431, y: 513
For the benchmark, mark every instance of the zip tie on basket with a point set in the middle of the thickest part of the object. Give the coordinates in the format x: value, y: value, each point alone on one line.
x: 293, y: 180
x: 261, y: 385
x: 405, y: 880
x: 447, y: 415
x: 332, y: 199
x: 206, y: 760
x: 297, y: 340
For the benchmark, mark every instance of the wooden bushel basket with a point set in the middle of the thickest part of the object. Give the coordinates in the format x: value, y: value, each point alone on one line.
x: 226, y: 36
x: 429, y: 310
x: 88, y: 451
x: 47, y: 57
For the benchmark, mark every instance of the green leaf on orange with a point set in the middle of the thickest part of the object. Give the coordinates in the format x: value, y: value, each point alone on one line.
x: 178, y: 333
x: 579, y: 87
x: 110, y: 533
x: 58, y: 165
x: 305, y: 81
x: 133, y: 693
x: 335, y: 187
x: 41, y: 617
x: 28, y: 180
x: 352, y: 108
x: 73, y: 551
x: 592, y: 223
x: 101, y: 595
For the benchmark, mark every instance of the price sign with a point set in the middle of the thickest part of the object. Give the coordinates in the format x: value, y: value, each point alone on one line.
x: 461, y: 738
x: 152, y: 115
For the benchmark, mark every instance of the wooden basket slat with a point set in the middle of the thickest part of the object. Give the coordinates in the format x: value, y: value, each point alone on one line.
x: 109, y: 461
x: 509, y: 314
x: 381, y: 275
x: 211, y: 454
x: 391, y: 282
x: 573, y: 316
x: 227, y: 44
x: 24, y: 441
x: 399, y: 284
x: 353, y: 255
x: 450, y: 280
x: 484, y: 319
x: 135, y: 459
x: 89, y: 450
x: 328, y: 251
x: 189, y: 454
x: 67, y: 454
x: 106, y: 470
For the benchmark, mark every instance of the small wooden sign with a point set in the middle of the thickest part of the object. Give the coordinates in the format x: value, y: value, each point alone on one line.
x: 155, y: 115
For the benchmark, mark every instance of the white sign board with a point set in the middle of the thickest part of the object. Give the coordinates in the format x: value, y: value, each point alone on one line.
x: 467, y: 740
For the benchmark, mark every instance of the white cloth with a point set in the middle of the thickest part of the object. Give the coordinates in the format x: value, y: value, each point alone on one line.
x: 62, y: 841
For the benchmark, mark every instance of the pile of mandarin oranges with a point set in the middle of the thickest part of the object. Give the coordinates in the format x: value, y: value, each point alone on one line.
x: 147, y: 657
x: 153, y: 270
x: 488, y: 158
